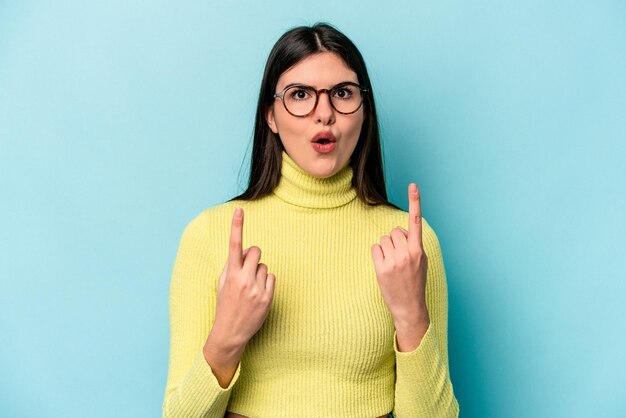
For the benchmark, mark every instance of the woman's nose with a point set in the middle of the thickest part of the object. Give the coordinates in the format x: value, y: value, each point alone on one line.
x: 324, y: 111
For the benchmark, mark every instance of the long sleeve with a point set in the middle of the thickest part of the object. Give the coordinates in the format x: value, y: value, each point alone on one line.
x: 325, y: 348
x: 423, y: 386
x: 192, y: 389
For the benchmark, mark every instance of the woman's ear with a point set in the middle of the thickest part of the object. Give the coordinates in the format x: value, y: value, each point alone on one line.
x: 269, y: 117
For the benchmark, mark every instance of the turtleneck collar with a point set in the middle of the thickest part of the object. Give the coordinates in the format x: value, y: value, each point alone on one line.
x: 300, y: 188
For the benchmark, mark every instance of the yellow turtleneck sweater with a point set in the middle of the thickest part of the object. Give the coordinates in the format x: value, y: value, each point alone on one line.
x: 327, y: 347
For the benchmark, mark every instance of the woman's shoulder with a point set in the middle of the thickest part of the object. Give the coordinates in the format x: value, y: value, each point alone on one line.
x: 201, y: 222
x: 217, y: 215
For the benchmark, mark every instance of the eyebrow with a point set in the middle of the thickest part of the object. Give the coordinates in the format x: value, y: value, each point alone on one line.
x: 307, y: 85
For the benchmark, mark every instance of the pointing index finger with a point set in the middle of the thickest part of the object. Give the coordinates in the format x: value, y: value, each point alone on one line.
x: 235, y: 256
x: 415, y: 217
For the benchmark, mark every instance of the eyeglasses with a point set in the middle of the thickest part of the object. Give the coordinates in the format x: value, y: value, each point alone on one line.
x: 300, y: 100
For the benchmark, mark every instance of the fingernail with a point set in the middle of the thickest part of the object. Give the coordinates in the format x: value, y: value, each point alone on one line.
x: 238, y: 213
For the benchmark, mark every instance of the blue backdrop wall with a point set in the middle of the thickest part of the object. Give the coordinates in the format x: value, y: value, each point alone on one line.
x: 120, y: 121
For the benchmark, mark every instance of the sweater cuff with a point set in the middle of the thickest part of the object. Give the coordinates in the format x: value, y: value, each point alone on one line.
x: 424, y: 361
x: 422, y: 381
x: 428, y: 342
x: 200, y: 390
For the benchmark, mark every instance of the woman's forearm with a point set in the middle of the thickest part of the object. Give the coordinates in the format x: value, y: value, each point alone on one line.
x: 223, y: 355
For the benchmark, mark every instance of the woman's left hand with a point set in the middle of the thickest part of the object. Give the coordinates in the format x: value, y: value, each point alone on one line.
x: 400, y: 263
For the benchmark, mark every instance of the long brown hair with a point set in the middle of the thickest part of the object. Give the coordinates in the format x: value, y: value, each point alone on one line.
x: 366, y: 160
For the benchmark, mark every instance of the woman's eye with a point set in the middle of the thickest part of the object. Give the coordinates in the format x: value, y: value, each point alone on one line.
x: 343, y: 93
x: 299, y: 94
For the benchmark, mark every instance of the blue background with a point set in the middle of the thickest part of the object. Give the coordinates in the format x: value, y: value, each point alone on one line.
x: 120, y: 121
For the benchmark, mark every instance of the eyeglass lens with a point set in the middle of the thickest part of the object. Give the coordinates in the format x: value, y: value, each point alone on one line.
x: 300, y: 100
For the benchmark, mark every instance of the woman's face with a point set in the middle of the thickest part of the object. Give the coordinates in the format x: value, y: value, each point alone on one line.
x: 321, y: 70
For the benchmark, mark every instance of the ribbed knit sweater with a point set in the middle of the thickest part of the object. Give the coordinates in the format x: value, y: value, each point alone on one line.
x: 328, y: 345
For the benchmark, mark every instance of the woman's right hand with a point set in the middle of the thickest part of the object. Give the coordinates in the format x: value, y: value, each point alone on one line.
x: 244, y: 296
x: 245, y: 290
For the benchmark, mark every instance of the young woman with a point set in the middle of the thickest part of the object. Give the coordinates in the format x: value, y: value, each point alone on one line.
x: 347, y: 314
